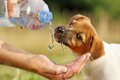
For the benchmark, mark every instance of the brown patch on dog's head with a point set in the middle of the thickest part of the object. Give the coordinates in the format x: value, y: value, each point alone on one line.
x: 80, y: 36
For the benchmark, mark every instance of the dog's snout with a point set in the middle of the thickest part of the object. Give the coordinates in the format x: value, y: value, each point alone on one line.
x: 60, y: 29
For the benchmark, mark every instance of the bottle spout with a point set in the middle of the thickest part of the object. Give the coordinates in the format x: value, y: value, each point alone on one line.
x: 45, y: 16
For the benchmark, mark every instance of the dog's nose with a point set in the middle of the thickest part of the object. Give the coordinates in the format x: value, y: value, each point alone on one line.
x: 60, y: 29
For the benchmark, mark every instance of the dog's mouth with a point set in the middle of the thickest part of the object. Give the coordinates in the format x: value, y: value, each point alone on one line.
x: 69, y: 37
x: 61, y: 35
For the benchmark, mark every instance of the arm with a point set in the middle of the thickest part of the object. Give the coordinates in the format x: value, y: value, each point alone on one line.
x: 12, y: 56
x: 9, y: 55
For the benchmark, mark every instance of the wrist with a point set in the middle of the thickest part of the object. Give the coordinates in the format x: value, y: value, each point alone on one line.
x: 35, y: 64
x: 31, y: 65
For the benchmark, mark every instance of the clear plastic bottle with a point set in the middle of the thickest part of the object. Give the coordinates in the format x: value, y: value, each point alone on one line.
x: 32, y: 14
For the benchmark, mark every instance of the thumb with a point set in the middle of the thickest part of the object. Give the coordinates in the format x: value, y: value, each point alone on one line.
x: 82, y: 59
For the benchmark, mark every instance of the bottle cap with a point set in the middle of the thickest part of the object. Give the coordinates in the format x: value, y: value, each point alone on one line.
x: 45, y: 16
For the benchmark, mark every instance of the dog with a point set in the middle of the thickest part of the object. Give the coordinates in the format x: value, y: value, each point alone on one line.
x: 81, y: 37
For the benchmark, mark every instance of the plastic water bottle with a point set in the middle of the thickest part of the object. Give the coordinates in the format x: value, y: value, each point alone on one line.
x: 30, y: 14
x: 44, y: 18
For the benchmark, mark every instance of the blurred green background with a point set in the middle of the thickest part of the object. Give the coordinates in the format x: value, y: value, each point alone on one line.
x: 104, y: 15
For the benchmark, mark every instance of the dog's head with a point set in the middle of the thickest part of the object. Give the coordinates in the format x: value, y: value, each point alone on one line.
x: 80, y: 36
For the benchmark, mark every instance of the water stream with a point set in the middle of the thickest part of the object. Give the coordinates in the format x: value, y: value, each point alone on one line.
x: 51, y: 46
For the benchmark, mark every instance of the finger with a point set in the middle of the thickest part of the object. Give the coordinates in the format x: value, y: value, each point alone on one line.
x: 53, y: 77
x: 82, y: 58
x: 76, y: 65
x: 57, y: 69
x: 79, y: 63
x: 60, y: 69
x: 84, y: 62
x: 49, y: 67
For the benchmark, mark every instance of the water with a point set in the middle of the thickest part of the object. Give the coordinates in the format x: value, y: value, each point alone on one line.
x: 51, y: 46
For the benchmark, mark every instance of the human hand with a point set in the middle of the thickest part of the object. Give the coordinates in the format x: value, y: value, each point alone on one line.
x: 76, y: 66
x: 44, y: 67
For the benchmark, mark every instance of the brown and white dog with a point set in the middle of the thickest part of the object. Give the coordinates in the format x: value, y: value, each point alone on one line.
x: 80, y: 36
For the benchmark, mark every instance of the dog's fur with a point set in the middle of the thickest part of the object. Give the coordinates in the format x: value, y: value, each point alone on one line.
x: 80, y: 36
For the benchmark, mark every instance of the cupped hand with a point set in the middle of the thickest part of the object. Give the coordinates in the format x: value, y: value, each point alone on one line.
x: 76, y: 66
x: 43, y: 66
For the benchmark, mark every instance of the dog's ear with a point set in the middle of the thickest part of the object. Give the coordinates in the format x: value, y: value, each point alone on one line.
x: 96, y: 47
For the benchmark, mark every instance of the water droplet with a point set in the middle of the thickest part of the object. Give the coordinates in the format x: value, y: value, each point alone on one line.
x: 50, y: 47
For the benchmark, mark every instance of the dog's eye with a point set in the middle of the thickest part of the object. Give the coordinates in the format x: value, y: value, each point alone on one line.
x: 78, y: 36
